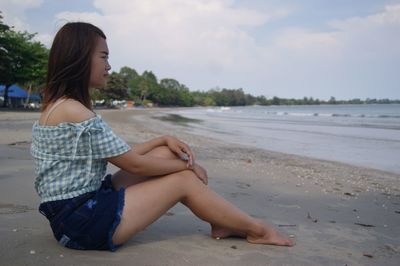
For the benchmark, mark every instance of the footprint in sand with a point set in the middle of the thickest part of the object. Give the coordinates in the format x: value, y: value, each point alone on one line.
x: 242, y: 185
x: 8, y: 208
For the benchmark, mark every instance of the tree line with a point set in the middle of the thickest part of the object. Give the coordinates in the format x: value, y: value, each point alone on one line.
x: 23, y: 61
x: 146, y: 89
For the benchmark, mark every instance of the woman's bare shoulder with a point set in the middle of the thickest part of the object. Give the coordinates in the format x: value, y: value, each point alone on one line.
x: 69, y: 111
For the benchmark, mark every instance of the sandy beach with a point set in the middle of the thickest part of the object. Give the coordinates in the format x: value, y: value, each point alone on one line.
x: 339, y: 214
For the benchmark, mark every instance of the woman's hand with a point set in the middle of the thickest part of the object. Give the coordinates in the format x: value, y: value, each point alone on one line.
x: 201, y: 173
x: 181, y: 149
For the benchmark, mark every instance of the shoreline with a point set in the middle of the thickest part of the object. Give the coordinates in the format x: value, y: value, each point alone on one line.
x: 365, y: 141
x: 340, y: 214
x: 174, y: 121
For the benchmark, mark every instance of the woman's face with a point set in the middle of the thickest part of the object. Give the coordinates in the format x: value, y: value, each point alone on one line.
x: 100, y: 66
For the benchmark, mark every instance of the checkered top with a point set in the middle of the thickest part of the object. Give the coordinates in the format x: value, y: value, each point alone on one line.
x: 70, y: 157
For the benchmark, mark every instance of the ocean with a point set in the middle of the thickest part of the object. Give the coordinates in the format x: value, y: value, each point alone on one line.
x: 363, y: 135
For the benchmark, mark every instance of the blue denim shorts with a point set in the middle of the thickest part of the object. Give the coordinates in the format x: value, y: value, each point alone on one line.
x: 87, y: 221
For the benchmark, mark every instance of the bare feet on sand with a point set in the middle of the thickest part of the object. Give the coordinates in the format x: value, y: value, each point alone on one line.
x: 270, y: 236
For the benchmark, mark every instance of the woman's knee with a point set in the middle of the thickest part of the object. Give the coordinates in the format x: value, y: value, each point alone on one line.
x: 186, y: 180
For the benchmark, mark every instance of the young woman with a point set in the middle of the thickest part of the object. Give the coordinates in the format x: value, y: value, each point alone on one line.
x: 72, y: 145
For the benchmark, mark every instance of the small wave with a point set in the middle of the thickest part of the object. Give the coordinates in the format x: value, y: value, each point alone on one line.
x: 341, y: 115
x: 273, y: 113
x: 324, y: 114
x: 282, y: 113
x: 270, y: 113
x: 303, y: 114
x: 298, y: 113
x: 219, y: 110
x: 389, y: 116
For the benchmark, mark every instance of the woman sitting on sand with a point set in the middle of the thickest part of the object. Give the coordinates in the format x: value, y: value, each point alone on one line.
x: 72, y: 145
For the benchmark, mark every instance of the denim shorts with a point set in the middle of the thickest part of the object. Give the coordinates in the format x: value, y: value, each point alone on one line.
x: 87, y: 221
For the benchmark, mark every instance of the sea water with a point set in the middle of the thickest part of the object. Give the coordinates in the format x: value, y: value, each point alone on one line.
x: 364, y: 135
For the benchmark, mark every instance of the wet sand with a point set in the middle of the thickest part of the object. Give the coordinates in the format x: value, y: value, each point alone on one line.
x: 339, y: 214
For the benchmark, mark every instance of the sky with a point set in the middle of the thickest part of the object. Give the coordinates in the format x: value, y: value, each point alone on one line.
x: 285, y: 48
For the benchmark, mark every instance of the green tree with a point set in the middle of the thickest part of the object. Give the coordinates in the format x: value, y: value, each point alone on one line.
x: 220, y: 98
x: 332, y: 100
x: 184, y: 97
x: 144, y: 89
x: 275, y: 101
x: 148, y: 86
x: 116, y: 88
x: 149, y: 76
x: 141, y: 87
x: 128, y: 74
x: 208, y: 101
x: 168, y: 83
x: 172, y: 93
x: 168, y: 95
x: 38, y: 70
x: 250, y: 99
x: 22, y: 60
x: 261, y: 100
x: 134, y: 90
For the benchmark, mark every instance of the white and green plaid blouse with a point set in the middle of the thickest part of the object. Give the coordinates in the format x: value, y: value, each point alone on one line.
x: 70, y: 157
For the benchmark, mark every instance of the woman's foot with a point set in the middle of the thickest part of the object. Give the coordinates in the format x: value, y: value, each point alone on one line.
x: 270, y: 236
x: 218, y: 232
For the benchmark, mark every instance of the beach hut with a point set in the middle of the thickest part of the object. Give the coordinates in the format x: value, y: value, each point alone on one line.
x: 16, y: 96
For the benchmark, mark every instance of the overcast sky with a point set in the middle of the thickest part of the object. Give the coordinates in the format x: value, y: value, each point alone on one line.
x: 285, y: 48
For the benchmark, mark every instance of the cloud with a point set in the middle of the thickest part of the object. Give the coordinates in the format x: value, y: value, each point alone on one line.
x: 378, y: 31
x: 178, y: 35
x: 389, y: 16
x: 205, y: 43
x: 14, y: 12
x: 377, y: 35
x: 356, y: 57
x: 44, y: 38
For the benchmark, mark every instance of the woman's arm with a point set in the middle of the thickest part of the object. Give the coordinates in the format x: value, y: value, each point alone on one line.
x: 145, y: 147
x: 181, y: 149
x: 146, y: 165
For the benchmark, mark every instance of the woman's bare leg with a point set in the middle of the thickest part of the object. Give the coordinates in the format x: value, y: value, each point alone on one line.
x: 124, y: 179
x: 145, y: 202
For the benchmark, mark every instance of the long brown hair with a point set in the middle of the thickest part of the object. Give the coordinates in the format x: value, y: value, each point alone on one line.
x: 69, y: 64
